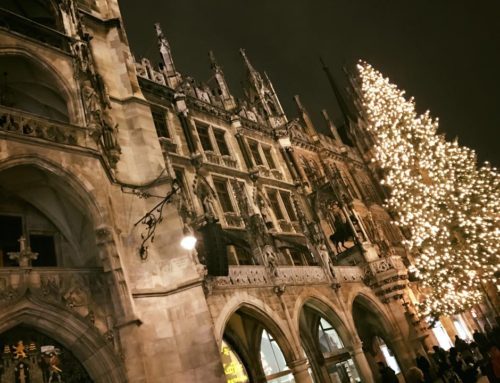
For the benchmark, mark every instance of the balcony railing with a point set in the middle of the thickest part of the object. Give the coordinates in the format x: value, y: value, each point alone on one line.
x: 259, y: 276
x: 349, y: 274
x: 20, y: 123
x: 217, y: 159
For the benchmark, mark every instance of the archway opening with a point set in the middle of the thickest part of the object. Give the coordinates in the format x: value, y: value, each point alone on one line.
x: 375, y: 335
x: 28, y: 86
x: 327, y: 344
x: 47, y: 213
x: 31, y: 356
x: 259, y: 347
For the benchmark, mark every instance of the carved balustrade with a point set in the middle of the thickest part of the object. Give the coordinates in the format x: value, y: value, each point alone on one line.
x: 25, y: 124
x: 83, y: 291
x: 260, y: 276
x: 345, y: 274
x: 217, y: 159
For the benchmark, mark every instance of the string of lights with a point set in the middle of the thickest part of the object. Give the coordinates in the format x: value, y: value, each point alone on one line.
x: 449, y: 204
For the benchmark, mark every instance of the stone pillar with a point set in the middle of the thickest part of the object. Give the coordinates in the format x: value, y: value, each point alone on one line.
x: 300, y: 371
x: 361, y: 362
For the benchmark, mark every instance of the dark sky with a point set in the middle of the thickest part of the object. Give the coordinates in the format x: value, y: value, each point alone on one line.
x: 444, y: 53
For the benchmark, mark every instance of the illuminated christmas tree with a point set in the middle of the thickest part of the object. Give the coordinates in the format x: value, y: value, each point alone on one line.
x: 448, y: 205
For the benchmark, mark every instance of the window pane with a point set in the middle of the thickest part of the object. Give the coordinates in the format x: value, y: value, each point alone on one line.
x: 254, y: 148
x: 206, y: 144
x: 269, y: 158
x: 221, y: 142
x: 160, y: 121
x: 233, y: 367
x: 223, y: 195
x: 273, y: 199
x: 273, y: 360
x: 11, y: 229
x: 44, y: 246
x: 328, y: 337
x: 285, y: 197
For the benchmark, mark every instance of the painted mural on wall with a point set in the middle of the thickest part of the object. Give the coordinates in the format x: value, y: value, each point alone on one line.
x: 31, y: 357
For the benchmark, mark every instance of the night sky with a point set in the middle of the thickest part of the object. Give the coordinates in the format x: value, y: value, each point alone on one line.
x: 444, y: 53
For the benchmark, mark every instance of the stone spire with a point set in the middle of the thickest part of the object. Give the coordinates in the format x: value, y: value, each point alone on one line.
x: 331, y: 126
x: 306, y: 119
x: 344, y: 109
x: 222, y: 88
x: 172, y: 76
x: 262, y: 95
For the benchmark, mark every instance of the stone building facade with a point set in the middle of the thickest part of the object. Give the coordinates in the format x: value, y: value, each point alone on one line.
x: 298, y: 274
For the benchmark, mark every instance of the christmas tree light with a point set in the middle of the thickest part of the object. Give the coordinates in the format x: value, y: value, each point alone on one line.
x: 450, y: 207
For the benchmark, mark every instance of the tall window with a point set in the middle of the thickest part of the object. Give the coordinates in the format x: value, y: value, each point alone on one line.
x: 275, y: 205
x: 11, y: 229
x: 160, y: 121
x: 234, y: 368
x: 281, y: 204
x: 221, y: 142
x: 287, y: 202
x: 206, y: 144
x: 273, y: 361
x: 329, y: 340
x: 269, y: 157
x: 254, y: 149
x: 222, y: 190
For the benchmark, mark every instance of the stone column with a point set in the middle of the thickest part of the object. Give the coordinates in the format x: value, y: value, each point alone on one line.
x: 361, y: 362
x: 300, y: 372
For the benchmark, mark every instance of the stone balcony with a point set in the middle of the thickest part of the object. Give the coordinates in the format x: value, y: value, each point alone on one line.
x: 23, y: 124
x: 217, y: 159
x: 83, y: 291
x: 260, y: 276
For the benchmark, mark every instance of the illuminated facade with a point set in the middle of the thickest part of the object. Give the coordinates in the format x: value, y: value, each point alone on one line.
x: 298, y: 274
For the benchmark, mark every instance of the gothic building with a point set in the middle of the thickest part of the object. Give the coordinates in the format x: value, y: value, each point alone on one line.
x: 107, y: 162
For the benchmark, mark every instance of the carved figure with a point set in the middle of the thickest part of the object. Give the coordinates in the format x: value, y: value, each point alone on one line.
x: 342, y: 233
x: 91, y: 102
x: 54, y: 369
x: 19, y: 352
x: 271, y: 260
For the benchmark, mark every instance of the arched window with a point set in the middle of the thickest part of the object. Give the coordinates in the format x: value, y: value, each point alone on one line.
x: 28, y: 86
x: 329, y: 340
x: 273, y: 361
x: 40, y: 11
x: 234, y: 368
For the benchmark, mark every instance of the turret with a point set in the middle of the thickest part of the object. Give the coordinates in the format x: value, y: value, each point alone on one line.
x: 172, y: 76
x: 331, y: 126
x: 304, y: 116
x: 222, y: 89
x: 261, y: 94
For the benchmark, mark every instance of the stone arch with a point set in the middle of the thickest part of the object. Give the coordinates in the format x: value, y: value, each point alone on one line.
x: 380, y: 337
x: 261, y: 312
x: 320, y: 325
x: 372, y: 303
x: 327, y: 309
x: 64, y: 201
x: 58, y: 83
x: 88, y: 346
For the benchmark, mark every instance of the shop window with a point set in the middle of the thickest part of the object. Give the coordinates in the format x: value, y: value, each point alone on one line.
x: 234, y: 368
